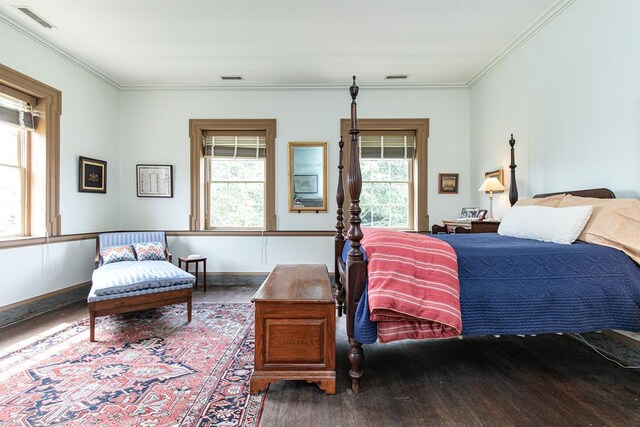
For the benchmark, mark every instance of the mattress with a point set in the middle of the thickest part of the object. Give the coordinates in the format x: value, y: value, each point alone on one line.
x: 520, y: 286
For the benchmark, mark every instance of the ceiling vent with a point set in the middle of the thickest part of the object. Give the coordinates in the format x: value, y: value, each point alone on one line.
x: 31, y: 14
x: 396, y: 77
x: 232, y: 77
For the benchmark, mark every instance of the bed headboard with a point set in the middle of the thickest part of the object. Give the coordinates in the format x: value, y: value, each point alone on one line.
x: 598, y: 193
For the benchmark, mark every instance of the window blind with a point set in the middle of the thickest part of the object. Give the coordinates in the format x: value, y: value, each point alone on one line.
x: 15, y: 112
x: 235, y: 146
x: 387, y: 145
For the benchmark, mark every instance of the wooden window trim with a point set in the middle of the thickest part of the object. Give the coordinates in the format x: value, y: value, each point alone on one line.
x: 420, y: 175
x: 197, y: 129
x: 48, y: 108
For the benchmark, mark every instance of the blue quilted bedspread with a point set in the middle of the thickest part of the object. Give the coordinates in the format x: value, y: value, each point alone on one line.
x: 521, y: 286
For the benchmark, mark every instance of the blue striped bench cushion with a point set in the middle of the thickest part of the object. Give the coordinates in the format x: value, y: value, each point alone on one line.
x: 93, y: 297
x: 141, y: 277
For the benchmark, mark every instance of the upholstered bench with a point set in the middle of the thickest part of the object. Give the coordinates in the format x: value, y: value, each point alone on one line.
x: 127, y: 280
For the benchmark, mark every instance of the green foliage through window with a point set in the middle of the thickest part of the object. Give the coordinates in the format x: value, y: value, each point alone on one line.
x: 11, y: 181
x: 385, y: 193
x: 237, y: 193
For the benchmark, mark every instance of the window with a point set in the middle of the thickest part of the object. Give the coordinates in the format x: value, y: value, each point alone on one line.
x: 393, y: 163
x: 16, y: 122
x: 235, y: 168
x: 232, y: 175
x: 29, y: 157
x: 13, y: 175
x: 386, y: 162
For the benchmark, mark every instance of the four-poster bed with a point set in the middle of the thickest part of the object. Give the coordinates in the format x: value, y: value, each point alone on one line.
x: 351, y: 271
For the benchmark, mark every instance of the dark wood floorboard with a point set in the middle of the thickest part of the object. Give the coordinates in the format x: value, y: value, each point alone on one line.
x: 548, y: 380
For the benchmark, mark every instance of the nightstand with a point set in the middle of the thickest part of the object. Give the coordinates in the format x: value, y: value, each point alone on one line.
x: 195, y: 259
x: 486, y: 226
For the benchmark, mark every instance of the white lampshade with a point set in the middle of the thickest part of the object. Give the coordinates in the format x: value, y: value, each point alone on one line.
x: 491, y: 184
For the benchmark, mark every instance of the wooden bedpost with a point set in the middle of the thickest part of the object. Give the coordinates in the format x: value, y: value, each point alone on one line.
x: 513, y: 188
x: 356, y: 268
x: 339, y: 238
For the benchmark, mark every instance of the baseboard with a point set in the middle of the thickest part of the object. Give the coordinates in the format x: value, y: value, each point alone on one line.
x: 22, y: 310
x: 216, y: 278
x: 617, y: 346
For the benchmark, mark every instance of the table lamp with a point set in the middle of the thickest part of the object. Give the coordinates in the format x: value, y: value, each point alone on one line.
x: 491, y: 184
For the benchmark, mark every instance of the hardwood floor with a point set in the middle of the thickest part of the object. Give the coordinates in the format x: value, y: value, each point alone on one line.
x: 548, y: 380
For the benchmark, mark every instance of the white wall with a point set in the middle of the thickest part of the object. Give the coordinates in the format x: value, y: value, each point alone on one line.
x: 254, y: 254
x: 36, y: 270
x: 571, y: 96
x: 155, y: 129
x: 89, y: 127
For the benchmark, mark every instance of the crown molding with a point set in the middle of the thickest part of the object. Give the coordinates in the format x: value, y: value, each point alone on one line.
x: 280, y: 87
x: 54, y: 48
x: 542, y: 21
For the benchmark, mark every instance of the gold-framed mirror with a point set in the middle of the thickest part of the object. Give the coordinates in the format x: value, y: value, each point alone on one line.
x: 307, y: 176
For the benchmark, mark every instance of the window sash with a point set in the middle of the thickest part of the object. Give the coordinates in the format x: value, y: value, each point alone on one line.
x: 409, y: 182
x: 209, y: 164
x: 20, y: 168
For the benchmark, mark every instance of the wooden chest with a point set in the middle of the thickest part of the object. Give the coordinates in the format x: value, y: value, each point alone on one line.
x: 295, y: 328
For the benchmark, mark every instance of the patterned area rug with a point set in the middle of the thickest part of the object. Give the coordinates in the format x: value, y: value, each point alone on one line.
x: 148, y: 369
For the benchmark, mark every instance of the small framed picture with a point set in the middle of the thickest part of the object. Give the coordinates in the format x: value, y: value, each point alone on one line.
x: 92, y: 175
x: 448, y: 183
x: 499, y: 173
x: 305, y: 184
x: 154, y: 180
x: 469, y: 213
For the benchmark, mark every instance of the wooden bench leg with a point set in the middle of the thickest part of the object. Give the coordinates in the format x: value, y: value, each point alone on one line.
x: 189, y: 310
x: 92, y: 326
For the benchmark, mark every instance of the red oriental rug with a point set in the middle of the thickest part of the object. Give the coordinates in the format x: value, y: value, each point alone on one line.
x: 148, y: 369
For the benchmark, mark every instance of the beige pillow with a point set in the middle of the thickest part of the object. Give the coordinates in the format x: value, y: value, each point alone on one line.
x: 614, y: 223
x: 550, y: 201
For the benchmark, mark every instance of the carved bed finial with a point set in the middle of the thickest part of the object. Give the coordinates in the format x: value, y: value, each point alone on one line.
x: 513, y: 187
x: 354, y: 89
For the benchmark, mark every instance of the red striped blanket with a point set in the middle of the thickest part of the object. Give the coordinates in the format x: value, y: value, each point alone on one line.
x: 412, y: 284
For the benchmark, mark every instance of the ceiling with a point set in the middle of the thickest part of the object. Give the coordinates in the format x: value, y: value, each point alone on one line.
x: 191, y: 43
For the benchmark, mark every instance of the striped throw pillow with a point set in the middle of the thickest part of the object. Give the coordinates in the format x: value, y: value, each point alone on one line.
x: 150, y: 251
x: 117, y: 253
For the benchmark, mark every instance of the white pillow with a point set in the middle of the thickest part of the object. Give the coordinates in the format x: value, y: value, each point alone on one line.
x: 558, y: 225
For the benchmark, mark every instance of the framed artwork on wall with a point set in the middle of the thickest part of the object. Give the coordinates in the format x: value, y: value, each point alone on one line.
x: 92, y: 175
x: 154, y: 180
x: 498, y: 173
x: 448, y: 183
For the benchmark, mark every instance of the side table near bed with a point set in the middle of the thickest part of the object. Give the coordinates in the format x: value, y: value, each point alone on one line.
x: 195, y: 259
x: 486, y: 226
